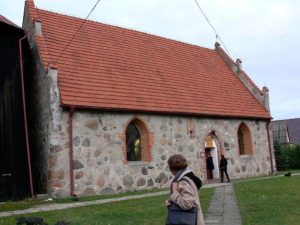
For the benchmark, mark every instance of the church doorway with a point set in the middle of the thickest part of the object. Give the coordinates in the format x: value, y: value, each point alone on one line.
x: 211, y: 154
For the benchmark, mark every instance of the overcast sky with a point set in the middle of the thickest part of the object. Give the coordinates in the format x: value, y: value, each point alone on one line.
x: 265, y: 35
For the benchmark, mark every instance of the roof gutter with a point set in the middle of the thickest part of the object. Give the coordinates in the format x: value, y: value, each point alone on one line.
x: 163, y: 112
x: 25, y: 115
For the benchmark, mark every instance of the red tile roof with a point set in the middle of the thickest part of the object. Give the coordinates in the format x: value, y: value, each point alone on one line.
x: 112, y: 68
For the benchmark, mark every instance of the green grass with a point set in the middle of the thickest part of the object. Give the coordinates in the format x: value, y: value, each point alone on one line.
x: 20, y: 205
x: 29, y: 203
x: 269, y: 202
x: 148, y: 211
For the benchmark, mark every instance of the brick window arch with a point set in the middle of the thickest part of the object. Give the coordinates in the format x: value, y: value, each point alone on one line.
x: 244, y: 139
x: 137, y: 141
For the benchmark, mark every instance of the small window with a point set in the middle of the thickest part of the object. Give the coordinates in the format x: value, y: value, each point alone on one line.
x: 133, y: 143
x: 244, y: 139
x: 241, y: 142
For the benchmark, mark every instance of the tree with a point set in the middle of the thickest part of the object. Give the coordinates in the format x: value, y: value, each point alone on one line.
x: 281, y: 158
x: 287, y: 156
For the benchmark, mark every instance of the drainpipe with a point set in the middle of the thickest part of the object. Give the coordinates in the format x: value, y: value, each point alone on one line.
x: 71, y: 152
x: 270, y: 148
x: 25, y: 115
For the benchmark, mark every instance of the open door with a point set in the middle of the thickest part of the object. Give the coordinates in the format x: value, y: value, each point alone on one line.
x: 212, y: 150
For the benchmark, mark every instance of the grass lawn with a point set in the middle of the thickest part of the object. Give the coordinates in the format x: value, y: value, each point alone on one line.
x: 29, y: 203
x: 269, y: 202
x: 149, y: 211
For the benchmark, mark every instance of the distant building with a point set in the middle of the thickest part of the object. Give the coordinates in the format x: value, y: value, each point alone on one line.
x: 286, y: 131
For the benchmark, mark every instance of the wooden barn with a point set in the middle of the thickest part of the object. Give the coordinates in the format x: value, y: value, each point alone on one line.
x: 15, y: 172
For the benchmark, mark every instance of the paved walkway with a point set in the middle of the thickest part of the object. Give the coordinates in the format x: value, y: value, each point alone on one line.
x: 223, y: 209
x: 59, y: 206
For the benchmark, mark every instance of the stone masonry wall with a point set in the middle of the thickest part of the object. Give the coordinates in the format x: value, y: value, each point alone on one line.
x: 100, y: 167
x: 38, y: 112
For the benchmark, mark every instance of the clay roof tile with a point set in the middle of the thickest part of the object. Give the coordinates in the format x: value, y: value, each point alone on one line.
x: 112, y: 68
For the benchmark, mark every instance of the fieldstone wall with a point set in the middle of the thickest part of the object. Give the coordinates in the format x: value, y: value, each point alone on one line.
x: 38, y: 111
x: 100, y: 166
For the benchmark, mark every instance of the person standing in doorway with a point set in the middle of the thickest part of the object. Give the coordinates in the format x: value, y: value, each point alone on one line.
x: 223, y: 168
x: 210, y: 166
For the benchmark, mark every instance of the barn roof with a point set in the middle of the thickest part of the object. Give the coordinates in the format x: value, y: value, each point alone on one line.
x: 113, y: 68
x: 286, y: 131
x: 8, y: 22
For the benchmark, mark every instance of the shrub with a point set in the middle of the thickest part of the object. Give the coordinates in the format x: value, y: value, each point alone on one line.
x: 37, y: 221
x: 63, y: 223
x: 295, y: 157
x: 281, y: 158
x: 30, y: 221
x: 287, y: 156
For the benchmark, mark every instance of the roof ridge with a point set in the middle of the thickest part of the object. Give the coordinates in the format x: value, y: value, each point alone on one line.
x: 244, y: 73
x: 34, y: 15
x: 32, y: 10
x: 286, y: 119
x: 8, y: 22
x: 129, y: 29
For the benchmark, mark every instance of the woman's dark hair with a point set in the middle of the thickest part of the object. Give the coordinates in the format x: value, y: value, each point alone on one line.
x: 177, y: 162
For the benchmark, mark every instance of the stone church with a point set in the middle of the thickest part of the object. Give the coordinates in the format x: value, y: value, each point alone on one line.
x: 110, y: 107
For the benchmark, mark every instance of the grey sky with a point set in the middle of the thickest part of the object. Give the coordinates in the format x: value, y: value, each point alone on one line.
x: 263, y: 34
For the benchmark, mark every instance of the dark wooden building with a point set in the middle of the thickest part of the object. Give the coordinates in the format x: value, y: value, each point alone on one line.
x: 286, y: 131
x: 15, y: 172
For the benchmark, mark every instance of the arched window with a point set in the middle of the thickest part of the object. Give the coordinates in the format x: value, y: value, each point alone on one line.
x: 133, y: 143
x: 244, y: 139
x: 138, y: 142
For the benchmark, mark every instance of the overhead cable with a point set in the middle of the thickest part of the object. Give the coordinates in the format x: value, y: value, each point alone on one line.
x: 74, y: 35
x: 215, y: 31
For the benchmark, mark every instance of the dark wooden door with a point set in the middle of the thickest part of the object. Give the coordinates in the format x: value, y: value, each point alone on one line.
x: 14, y: 176
x: 5, y: 176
